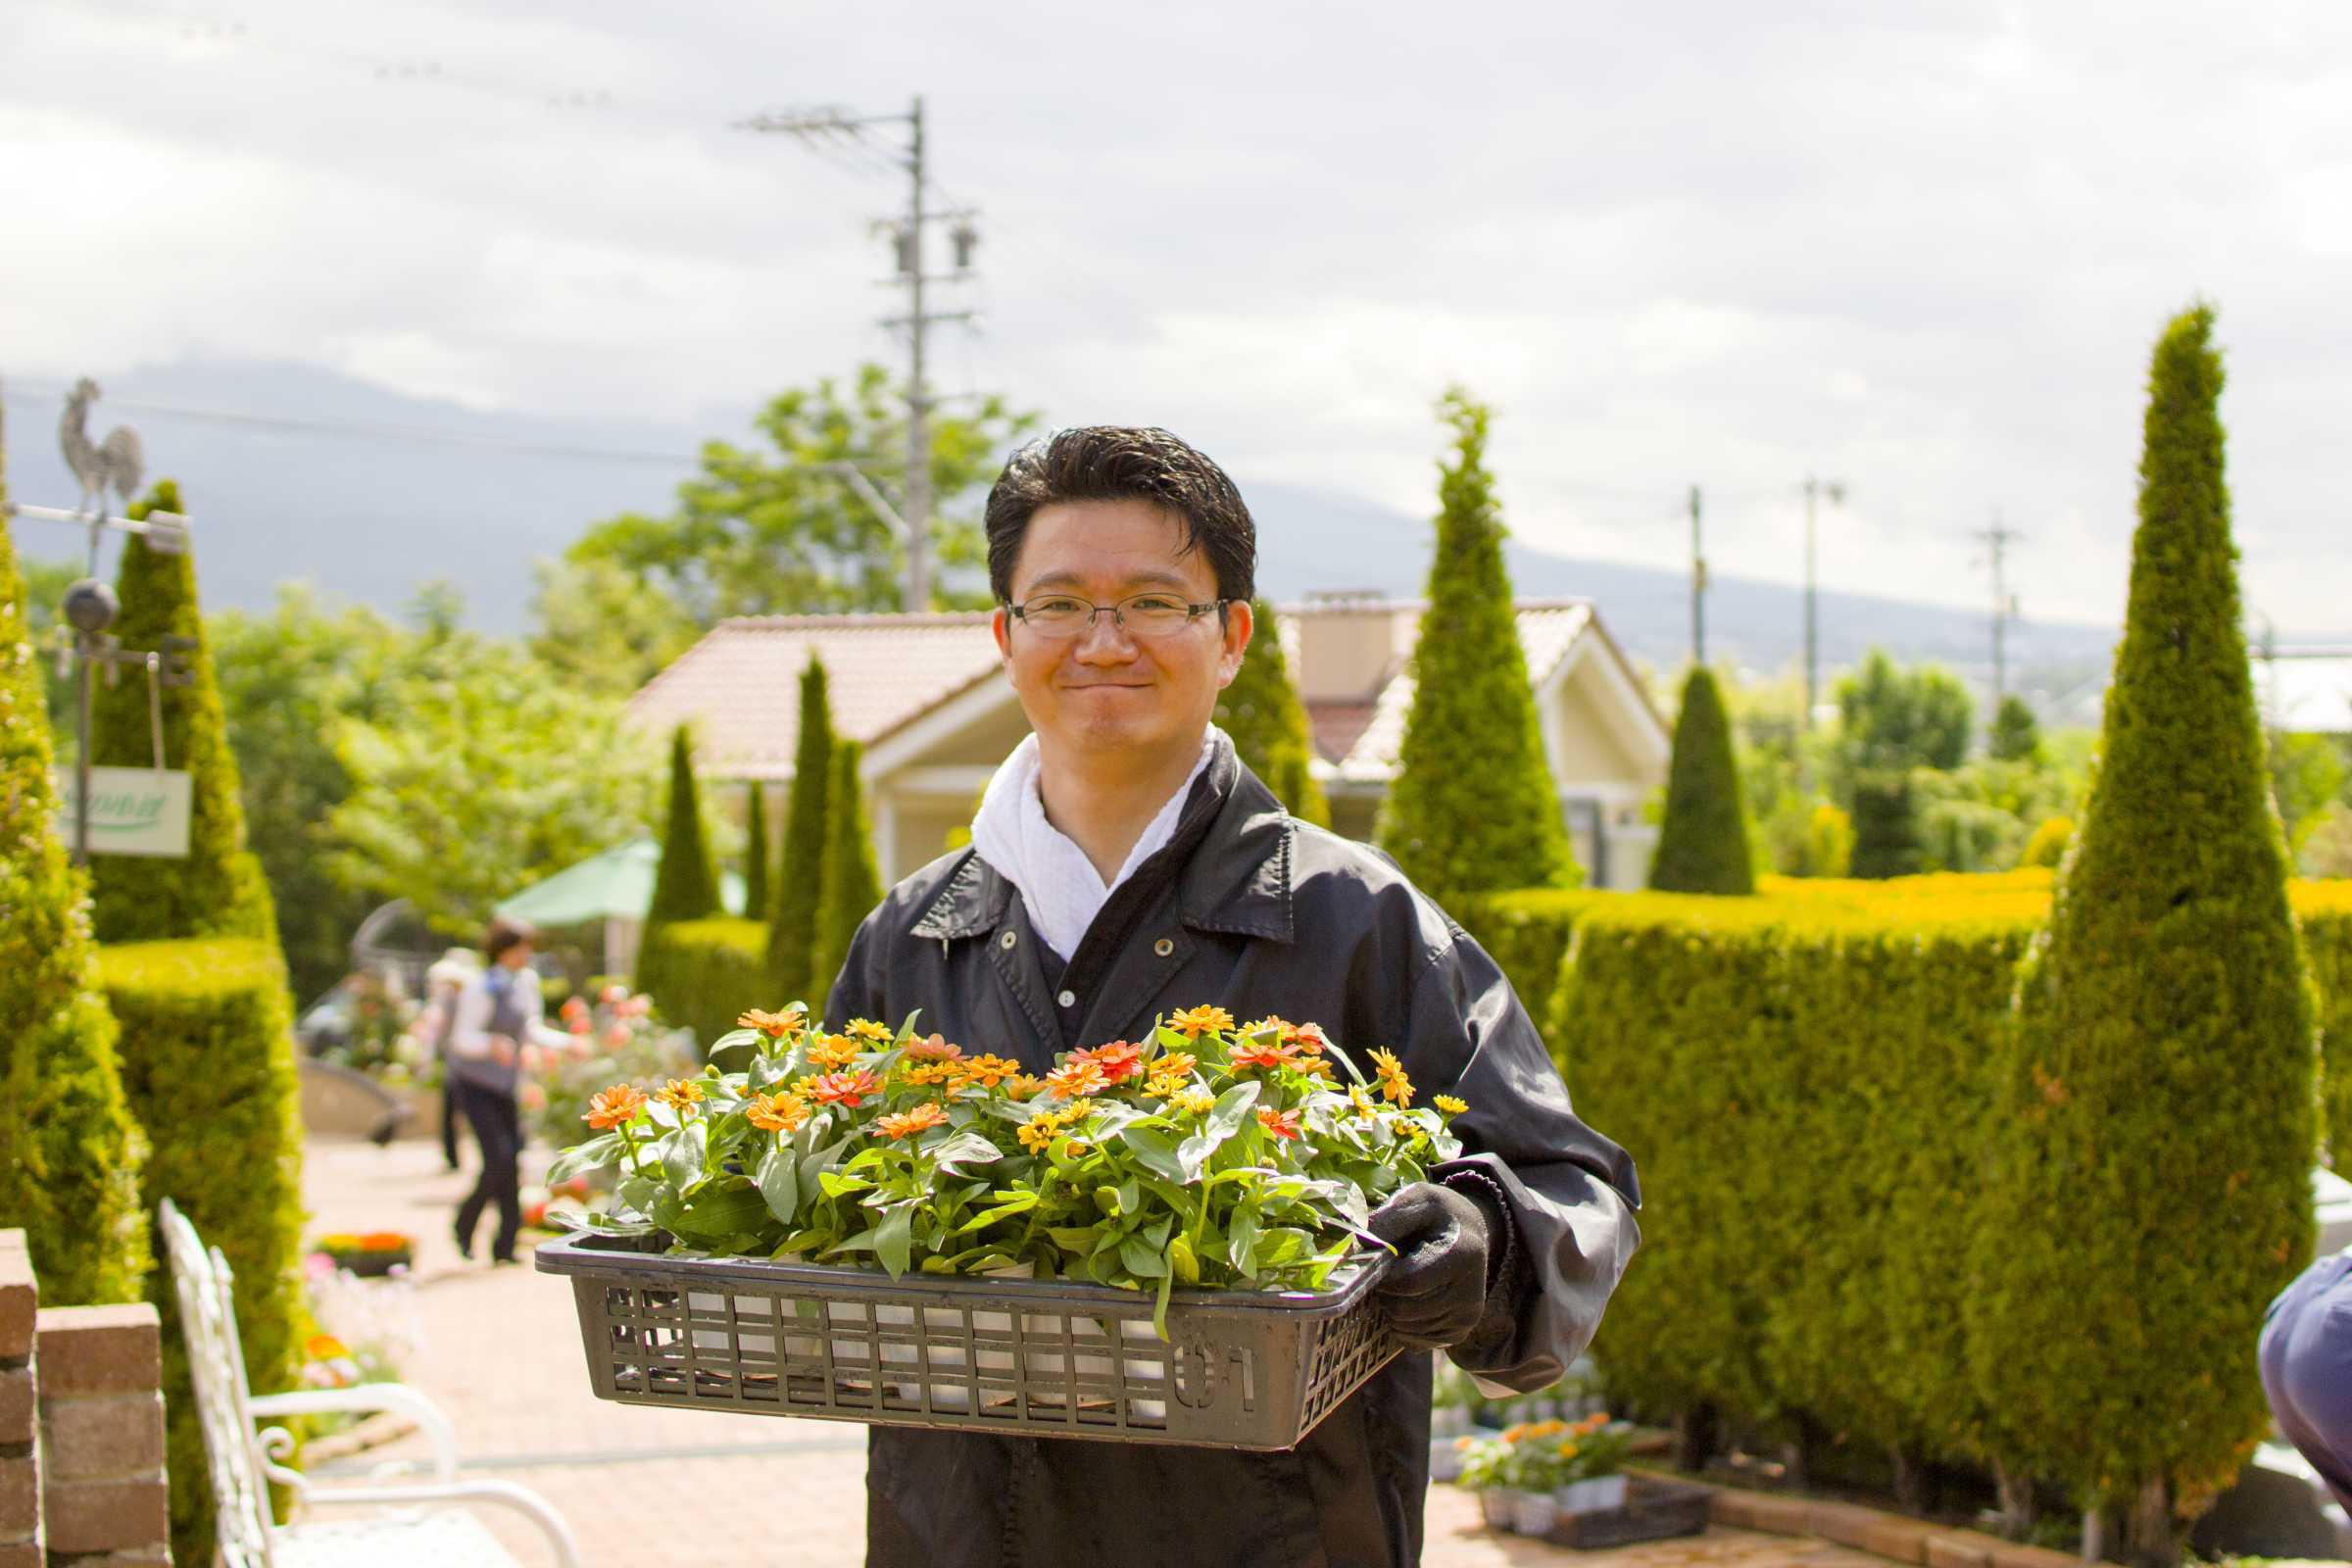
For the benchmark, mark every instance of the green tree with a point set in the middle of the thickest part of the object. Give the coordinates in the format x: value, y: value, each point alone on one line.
x: 1473, y: 809
x: 1886, y: 827
x: 1702, y: 845
x: 777, y: 531
x: 1894, y: 719
x: 685, y: 886
x: 45, y: 585
x: 218, y: 889
x: 851, y: 885
x: 466, y: 790
x: 755, y: 854
x: 1267, y: 721
x: 2016, y: 734
x: 2307, y: 775
x: 599, y: 629
x: 288, y: 681
x: 799, y: 874
x: 70, y: 1152
x: 2165, y: 1069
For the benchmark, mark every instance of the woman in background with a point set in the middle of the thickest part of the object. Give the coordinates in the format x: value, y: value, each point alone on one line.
x: 498, y: 1015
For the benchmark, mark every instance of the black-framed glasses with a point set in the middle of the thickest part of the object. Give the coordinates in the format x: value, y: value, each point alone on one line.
x: 1062, y: 617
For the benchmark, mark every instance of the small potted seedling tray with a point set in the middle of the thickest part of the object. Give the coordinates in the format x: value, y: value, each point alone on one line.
x: 1652, y: 1510
x: 1238, y: 1369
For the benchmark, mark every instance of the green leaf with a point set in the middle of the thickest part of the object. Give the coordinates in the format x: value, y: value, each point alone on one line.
x: 682, y: 1159
x: 1156, y: 1152
x: 1019, y: 1204
x: 1074, y: 1238
x: 1185, y: 1265
x: 1221, y: 1123
x: 966, y: 1149
x: 1141, y: 1260
x: 836, y: 1185
x: 1241, y: 1243
x: 718, y: 1213
x: 815, y: 1166
x: 779, y: 1182
x: 606, y: 1148
x: 894, y: 1238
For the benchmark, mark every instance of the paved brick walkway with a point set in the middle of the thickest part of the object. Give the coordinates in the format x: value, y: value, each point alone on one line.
x: 502, y: 1355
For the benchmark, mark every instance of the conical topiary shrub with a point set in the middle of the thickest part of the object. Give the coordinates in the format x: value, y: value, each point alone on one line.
x: 219, y: 889
x: 2163, y: 1083
x: 685, y: 887
x: 851, y: 885
x: 70, y: 1152
x: 1267, y: 721
x: 792, y: 923
x: 1472, y: 810
x: 755, y: 854
x: 1702, y: 845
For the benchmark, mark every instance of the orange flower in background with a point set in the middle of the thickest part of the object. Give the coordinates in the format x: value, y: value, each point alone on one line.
x: 1193, y: 1021
x: 1310, y: 1038
x: 609, y: 1107
x: 845, y: 1088
x: 938, y: 1047
x: 1394, y: 1084
x: 832, y: 1052
x: 1119, y: 1060
x: 1173, y: 1064
x: 907, y: 1123
x: 868, y: 1029
x: 1315, y: 1067
x: 1264, y: 1053
x: 985, y: 1072
x: 680, y: 1095
x: 777, y: 1113
x: 932, y: 1072
x: 775, y: 1025
x: 1281, y: 1123
x: 1023, y: 1085
x: 1076, y: 1078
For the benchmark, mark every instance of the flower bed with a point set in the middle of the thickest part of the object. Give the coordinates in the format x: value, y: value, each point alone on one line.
x: 1110, y: 1208
x: 370, y: 1254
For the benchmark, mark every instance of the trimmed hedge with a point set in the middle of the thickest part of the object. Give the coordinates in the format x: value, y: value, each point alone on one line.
x: 792, y: 922
x: 70, y: 1152
x: 207, y: 1062
x: 702, y: 975
x: 851, y: 885
x: 1261, y: 710
x: 1702, y: 844
x: 1808, y: 1080
x: 685, y: 882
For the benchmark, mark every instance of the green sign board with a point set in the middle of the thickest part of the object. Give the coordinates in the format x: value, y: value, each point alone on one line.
x: 134, y: 810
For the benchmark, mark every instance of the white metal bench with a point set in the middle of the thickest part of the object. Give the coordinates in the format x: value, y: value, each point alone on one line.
x: 421, y: 1524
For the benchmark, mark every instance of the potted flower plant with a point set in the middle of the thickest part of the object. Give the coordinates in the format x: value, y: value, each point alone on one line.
x: 1596, y: 1451
x: 368, y: 1254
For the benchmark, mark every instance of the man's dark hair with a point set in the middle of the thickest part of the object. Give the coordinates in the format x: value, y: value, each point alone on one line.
x: 505, y: 932
x: 1122, y: 463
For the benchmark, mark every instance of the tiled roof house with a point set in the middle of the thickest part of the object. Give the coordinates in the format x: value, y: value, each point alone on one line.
x: 926, y: 697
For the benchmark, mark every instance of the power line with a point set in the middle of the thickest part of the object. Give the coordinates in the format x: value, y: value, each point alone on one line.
x: 373, y: 430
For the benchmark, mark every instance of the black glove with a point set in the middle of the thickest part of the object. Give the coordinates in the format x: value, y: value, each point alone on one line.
x: 1435, y: 1287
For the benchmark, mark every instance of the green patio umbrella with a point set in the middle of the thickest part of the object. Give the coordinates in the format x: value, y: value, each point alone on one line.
x: 617, y: 884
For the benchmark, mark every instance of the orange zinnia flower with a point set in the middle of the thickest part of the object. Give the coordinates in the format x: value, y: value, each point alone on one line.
x: 1174, y: 1063
x: 777, y: 1113
x: 1281, y: 1123
x: 936, y: 1048
x: 868, y: 1029
x: 985, y: 1071
x: 1119, y: 1060
x: 845, y: 1088
x: 1075, y: 1078
x: 609, y: 1107
x: 775, y: 1025
x: 832, y: 1052
x: 1193, y: 1021
x: 1265, y: 1053
x: 1023, y: 1085
x: 1394, y: 1084
x: 680, y: 1095
x: 1282, y: 1027
x: 907, y: 1123
x: 931, y: 1072
x: 1310, y: 1038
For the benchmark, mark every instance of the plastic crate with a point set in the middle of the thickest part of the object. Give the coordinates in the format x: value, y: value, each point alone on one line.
x: 1652, y: 1510
x: 1238, y: 1369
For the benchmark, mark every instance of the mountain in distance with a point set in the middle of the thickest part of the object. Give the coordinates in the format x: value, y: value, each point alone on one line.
x: 298, y: 473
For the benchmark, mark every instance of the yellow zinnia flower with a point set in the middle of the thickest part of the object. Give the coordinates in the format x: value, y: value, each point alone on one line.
x: 1193, y: 1021
x: 1199, y: 1102
x: 832, y: 1053
x: 680, y: 1095
x: 1451, y: 1105
x: 1394, y: 1084
x: 777, y: 1113
x: 868, y: 1029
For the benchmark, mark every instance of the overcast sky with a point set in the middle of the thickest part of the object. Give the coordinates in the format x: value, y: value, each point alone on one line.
x: 1921, y: 247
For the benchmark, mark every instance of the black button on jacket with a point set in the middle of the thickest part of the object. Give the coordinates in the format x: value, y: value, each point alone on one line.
x: 1258, y: 913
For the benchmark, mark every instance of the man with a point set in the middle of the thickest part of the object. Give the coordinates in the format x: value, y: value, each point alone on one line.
x: 2306, y: 1359
x: 1124, y: 864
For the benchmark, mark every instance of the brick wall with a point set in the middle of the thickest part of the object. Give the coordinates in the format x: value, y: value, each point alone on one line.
x: 82, y: 1430
x: 103, y: 1492
x: 19, y: 1455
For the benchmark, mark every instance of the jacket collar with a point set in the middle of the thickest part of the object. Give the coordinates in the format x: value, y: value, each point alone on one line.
x: 1235, y: 880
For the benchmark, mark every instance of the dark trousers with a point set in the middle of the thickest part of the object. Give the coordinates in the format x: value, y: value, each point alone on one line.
x: 448, y: 1119
x: 498, y: 1132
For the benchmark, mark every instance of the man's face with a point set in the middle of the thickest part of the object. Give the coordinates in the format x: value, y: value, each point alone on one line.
x: 1107, y: 689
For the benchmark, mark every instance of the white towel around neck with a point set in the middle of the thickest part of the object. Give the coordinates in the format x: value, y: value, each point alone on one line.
x: 1060, y: 885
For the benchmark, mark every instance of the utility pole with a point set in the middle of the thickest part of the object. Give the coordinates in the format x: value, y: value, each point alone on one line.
x: 2004, y: 604
x: 832, y: 130
x: 1815, y: 489
x: 1698, y: 589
